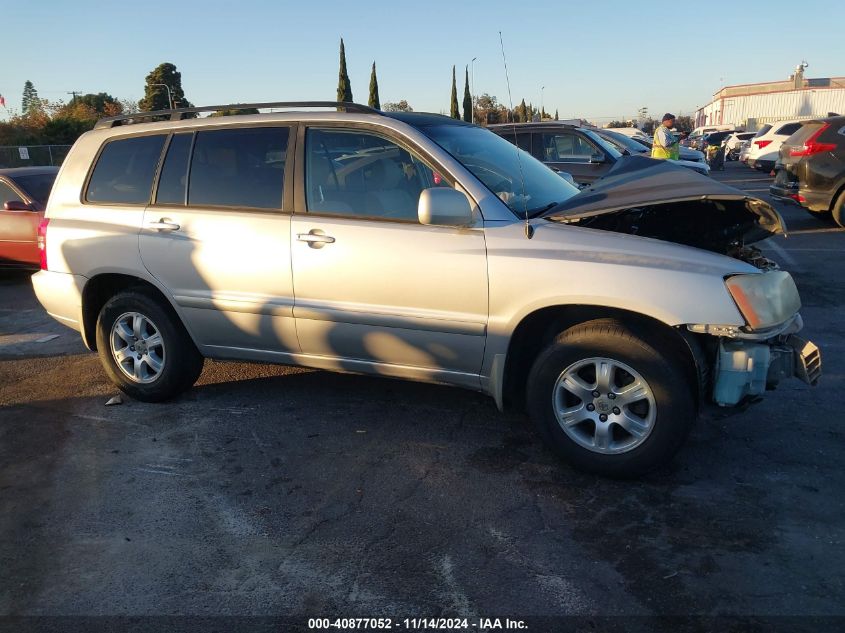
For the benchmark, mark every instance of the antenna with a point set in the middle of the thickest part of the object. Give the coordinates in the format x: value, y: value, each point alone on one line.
x: 529, y: 230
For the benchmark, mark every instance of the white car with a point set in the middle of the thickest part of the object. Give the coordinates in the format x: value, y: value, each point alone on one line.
x: 634, y: 132
x: 733, y: 144
x: 766, y: 143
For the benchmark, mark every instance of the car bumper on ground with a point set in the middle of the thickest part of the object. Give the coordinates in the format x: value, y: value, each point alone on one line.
x: 61, y: 296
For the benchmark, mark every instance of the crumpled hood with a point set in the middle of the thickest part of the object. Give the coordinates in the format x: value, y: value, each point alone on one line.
x: 636, y: 182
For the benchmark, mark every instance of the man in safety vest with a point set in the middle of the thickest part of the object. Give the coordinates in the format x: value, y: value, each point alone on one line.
x: 666, y: 145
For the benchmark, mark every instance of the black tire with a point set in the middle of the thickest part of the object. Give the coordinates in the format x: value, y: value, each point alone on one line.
x: 182, y: 362
x: 665, y: 375
x: 837, y: 210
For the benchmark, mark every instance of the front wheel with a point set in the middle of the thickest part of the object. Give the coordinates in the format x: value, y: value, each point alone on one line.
x: 609, y: 401
x: 144, y: 348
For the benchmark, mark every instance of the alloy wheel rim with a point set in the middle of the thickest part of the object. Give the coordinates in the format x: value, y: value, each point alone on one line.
x: 137, y: 347
x: 604, y: 405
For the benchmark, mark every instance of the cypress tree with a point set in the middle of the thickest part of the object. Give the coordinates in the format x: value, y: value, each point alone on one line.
x: 155, y: 97
x: 467, y: 97
x: 344, y: 88
x: 30, y: 102
x: 453, y: 109
x: 557, y: 118
x: 373, y: 101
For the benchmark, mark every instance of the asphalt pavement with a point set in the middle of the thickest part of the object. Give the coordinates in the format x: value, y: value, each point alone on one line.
x: 272, y: 491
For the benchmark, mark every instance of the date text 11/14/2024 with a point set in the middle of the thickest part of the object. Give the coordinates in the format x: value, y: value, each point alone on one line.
x: 442, y: 624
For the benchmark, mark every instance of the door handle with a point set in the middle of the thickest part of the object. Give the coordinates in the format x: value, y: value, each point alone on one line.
x: 164, y: 224
x: 314, y: 238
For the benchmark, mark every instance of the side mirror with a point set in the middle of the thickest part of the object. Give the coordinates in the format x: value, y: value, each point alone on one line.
x: 17, y: 205
x: 444, y: 206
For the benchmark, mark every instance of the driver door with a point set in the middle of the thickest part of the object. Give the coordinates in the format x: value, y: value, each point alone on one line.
x: 374, y: 289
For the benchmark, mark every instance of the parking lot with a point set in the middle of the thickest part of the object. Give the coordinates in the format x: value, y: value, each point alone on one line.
x: 276, y: 491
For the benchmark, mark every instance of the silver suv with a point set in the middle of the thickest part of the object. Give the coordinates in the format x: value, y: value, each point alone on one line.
x: 416, y: 246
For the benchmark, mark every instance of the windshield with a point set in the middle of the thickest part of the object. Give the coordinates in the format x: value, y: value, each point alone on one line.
x: 626, y: 142
x: 519, y: 180
x: 603, y: 143
x: 37, y: 186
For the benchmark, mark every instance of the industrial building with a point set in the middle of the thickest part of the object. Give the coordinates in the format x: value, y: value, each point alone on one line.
x: 749, y: 106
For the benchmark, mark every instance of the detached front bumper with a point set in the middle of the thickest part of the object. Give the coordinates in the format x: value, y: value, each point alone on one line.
x: 747, y: 368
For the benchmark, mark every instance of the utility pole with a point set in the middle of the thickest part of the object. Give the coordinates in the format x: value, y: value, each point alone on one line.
x: 472, y: 87
x: 74, y: 93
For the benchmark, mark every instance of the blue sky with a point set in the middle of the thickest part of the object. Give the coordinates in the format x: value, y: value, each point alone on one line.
x: 596, y: 60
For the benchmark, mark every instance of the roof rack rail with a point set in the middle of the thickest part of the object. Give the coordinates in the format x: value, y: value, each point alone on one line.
x: 178, y: 114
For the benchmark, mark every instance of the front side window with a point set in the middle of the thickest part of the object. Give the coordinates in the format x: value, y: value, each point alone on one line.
x: 362, y: 174
x: 125, y: 170
x: 240, y: 167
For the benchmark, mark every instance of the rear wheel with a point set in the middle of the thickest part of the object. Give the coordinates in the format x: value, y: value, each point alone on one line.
x: 144, y: 348
x: 838, y: 209
x: 609, y: 401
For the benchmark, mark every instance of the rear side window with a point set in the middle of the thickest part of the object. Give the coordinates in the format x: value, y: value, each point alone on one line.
x: 788, y: 129
x: 804, y: 133
x: 124, y: 172
x: 763, y: 130
x: 241, y: 167
x: 173, y: 181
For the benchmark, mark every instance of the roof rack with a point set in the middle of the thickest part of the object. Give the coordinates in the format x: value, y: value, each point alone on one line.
x: 178, y: 114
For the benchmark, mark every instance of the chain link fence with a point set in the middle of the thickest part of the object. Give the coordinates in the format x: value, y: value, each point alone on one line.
x: 32, y: 155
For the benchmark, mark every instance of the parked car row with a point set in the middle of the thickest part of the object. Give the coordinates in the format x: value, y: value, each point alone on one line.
x: 422, y: 247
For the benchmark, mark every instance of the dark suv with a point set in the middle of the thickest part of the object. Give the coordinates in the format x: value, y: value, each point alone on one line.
x: 575, y: 150
x: 811, y: 168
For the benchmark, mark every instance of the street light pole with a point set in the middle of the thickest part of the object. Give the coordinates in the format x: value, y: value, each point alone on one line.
x: 472, y: 88
x: 542, y: 108
x: 169, y: 96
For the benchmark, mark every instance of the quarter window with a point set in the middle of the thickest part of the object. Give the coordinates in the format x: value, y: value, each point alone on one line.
x: 242, y: 167
x: 124, y: 172
x: 355, y: 173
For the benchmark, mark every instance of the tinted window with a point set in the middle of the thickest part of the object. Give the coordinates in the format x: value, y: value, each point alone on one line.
x: 362, y: 174
x: 173, y: 181
x: 37, y: 186
x: 242, y: 167
x: 125, y: 170
x: 7, y: 194
x: 788, y: 129
x: 804, y: 133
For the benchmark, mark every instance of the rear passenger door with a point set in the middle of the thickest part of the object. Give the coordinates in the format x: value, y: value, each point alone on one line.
x: 570, y: 152
x: 217, y: 235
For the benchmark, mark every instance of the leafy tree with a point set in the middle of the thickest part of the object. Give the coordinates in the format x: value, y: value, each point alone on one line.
x: 373, y: 101
x: 453, y: 104
x: 30, y: 102
x: 155, y: 96
x: 650, y: 125
x: 684, y: 124
x: 344, y: 87
x: 102, y: 103
x: 467, y: 97
x: 401, y: 106
x: 488, y: 110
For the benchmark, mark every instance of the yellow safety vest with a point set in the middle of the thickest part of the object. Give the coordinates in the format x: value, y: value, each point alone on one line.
x: 673, y: 152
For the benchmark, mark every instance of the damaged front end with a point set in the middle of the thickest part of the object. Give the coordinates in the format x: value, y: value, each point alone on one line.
x: 659, y: 200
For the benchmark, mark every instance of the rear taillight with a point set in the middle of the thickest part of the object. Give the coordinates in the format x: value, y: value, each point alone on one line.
x: 797, y: 197
x: 42, y: 242
x: 812, y: 146
x: 761, y: 144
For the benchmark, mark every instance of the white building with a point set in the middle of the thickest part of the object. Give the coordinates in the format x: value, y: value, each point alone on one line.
x: 750, y: 105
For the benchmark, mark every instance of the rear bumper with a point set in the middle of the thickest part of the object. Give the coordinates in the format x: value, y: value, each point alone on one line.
x: 793, y: 192
x: 61, y: 296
